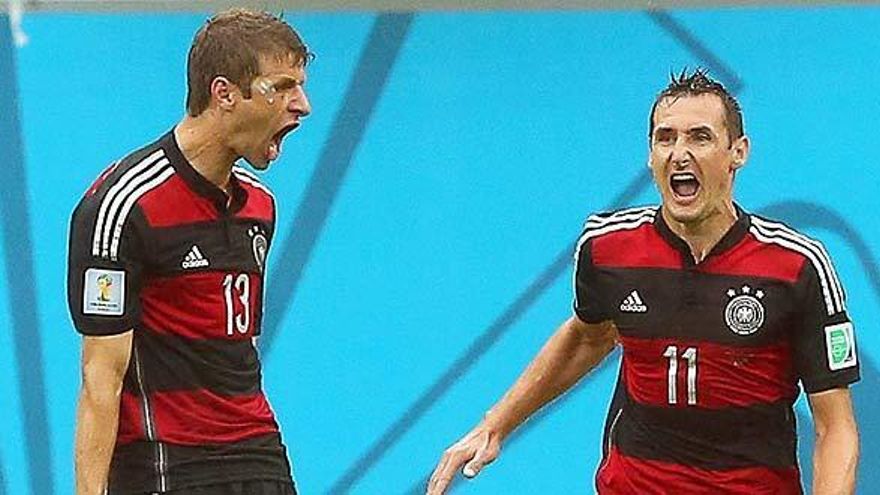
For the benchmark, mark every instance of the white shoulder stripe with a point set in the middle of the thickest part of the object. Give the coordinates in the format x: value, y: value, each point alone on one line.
x: 249, y: 178
x: 621, y: 215
x: 133, y: 173
x: 590, y: 233
x: 833, y: 304
x: 163, y: 175
x: 816, y: 246
x: 243, y: 171
x: 595, y: 222
x: 121, y: 198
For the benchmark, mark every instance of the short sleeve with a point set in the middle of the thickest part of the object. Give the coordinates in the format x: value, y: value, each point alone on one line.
x: 103, y: 283
x: 824, y: 337
x: 587, y: 304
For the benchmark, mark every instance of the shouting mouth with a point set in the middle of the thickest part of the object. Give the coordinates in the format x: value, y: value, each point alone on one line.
x: 275, y: 143
x: 684, y: 186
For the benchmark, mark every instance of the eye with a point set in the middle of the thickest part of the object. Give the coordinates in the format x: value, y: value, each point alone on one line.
x: 703, y: 136
x: 663, y: 137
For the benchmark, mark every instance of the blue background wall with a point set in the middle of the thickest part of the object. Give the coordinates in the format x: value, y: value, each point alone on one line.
x: 427, y: 213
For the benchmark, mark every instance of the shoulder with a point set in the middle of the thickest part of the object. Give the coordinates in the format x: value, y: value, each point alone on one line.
x: 132, y: 171
x: 106, y: 205
x: 777, y: 233
x: 617, y: 225
x: 811, y: 251
x: 252, y: 183
x: 622, y: 220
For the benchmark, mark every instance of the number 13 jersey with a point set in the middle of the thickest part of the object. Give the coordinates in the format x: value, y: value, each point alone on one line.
x: 712, y: 352
x: 157, y: 248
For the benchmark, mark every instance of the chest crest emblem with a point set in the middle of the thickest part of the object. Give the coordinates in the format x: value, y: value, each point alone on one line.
x: 259, y: 245
x: 744, y: 313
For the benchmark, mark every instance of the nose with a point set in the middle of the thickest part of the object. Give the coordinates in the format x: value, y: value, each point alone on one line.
x: 680, y: 155
x: 300, y: 104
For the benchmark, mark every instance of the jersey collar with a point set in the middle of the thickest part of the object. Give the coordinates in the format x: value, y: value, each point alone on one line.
x: 199, y: 184
x: 731, y: 238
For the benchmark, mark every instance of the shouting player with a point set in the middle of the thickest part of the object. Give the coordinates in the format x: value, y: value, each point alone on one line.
x: 720, y: 314
x: 165, y: 280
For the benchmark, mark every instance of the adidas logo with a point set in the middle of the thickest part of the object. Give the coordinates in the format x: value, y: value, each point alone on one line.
x: 633, y: 303
x: 194, y: 259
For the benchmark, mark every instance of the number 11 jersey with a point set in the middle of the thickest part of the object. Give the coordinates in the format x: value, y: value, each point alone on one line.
x: 713, y: 352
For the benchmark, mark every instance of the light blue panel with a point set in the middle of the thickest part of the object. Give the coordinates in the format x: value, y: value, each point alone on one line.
x: 496, y: 135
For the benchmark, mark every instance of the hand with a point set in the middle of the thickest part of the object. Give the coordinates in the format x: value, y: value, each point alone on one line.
x: 477, y: 449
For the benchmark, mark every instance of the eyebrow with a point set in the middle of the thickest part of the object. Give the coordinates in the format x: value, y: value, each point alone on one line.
x: 285, y: 81
x: 701, y: 128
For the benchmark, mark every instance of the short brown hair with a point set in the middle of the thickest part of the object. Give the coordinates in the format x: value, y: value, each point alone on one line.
x: 230, y: 44
x: 699, y: 83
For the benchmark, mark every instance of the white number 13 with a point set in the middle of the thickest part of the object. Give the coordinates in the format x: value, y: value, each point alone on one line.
x: 242, y: 285
x: 690, y: 354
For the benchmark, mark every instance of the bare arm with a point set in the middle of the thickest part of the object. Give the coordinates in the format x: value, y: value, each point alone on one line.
x: 104, y: 362
x: 836, y: 453
x: 571, y: 352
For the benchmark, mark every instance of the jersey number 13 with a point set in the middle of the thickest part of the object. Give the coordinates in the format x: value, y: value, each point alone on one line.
x: 241, y: 286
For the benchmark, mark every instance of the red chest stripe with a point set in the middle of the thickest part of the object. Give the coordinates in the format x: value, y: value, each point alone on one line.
x: 638, y: 248
x: 624, y: 475
x: 201, y: 417
x: 723, y: 376
x: 202, y: 305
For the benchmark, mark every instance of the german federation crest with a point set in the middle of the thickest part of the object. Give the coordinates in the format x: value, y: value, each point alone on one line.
x: 260, y: 246
x: 744, y: 313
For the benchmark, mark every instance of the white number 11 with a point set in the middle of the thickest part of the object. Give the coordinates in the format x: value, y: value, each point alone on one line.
x: 690, y: 354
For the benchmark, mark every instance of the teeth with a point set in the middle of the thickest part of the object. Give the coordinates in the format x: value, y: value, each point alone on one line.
x: 683, y: 177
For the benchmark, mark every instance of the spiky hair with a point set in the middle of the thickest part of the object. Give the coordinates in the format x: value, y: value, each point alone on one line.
x: 698, y: 83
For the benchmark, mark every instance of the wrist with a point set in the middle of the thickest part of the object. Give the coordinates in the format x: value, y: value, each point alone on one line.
x: 496, y: 425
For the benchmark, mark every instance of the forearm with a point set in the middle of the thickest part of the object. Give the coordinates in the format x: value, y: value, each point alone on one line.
x: 834, y: 461
x: 96, y: 427
x: 566, y: 357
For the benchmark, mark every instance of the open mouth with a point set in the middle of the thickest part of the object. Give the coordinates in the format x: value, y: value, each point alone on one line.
x: 684, y: 185
x: 275, y: 142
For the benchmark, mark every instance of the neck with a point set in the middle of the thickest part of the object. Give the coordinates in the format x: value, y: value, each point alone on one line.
x: 702, y: 235
x: 209, y: 156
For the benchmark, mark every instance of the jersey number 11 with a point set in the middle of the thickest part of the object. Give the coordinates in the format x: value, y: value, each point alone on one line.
x: 690, y: 355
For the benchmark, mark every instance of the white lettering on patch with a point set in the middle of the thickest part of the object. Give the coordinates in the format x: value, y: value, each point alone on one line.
x: 104, y: 292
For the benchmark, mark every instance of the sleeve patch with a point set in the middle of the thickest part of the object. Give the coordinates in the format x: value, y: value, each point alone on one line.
x: 840, y: 345
x: 104, y: 292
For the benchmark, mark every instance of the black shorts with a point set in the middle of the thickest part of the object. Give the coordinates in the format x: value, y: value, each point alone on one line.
x: 256, y: 487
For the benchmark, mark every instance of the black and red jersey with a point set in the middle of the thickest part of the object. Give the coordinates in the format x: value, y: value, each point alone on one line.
x: 713, y: 352
x: 156, y: 247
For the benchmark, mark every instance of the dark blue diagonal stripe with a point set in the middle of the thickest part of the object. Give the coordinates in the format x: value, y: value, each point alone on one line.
x: 662, y: 18
x: 378, y: 57
x: 479, y: 347
x: 19, y: 273
x: 2, y: 480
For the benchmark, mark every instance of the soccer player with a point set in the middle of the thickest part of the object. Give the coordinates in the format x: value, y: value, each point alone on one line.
x: 166, y: 270
x: 720, y: 314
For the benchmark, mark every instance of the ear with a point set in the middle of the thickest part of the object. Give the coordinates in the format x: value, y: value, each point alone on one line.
x: 224, y: 93
x: 740, y: 152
